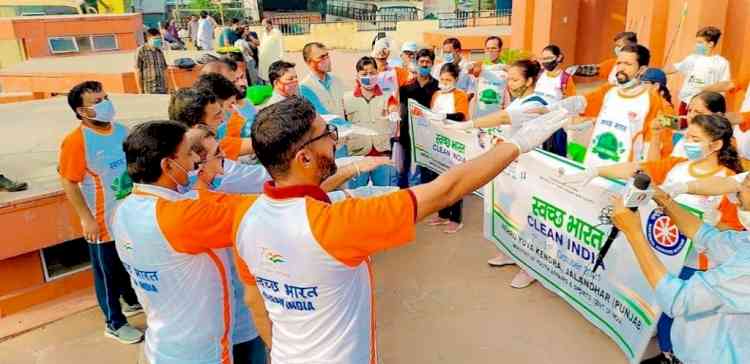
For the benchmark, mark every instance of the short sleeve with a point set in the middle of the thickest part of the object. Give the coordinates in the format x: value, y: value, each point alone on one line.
x: 729, y: 216
x: 595, y: 100
x: 231, y: 146
x: 686, y: 65
x: 659, y: 169
x: 194, y: 226
x: 355, y: 228
x: 462, y: 103
x: 725, y: 73
x: 72, y: 159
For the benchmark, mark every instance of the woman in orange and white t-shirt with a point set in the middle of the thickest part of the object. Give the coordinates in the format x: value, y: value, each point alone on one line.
x: 709, y: 153
x: 453, y: 104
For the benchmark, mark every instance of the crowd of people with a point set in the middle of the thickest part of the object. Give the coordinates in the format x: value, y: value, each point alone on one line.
x: 245, y: 237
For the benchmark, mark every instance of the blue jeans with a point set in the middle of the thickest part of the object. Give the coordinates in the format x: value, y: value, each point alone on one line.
x: 381, y: 176
x: 664, y: 326
x: 250, y: 352
x: 111, y: 282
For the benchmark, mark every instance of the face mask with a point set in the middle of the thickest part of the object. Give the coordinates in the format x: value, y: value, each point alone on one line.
x: 694, y: 151
x: 182, y: 188
x: 424, y: 71
x: 368, y: 82
x: 156, y: 42
x: 627, y: 83
x: 701, y: 49
x: 216, y: 182
x: 446, y: 88
x: 550, y: 66
x: 744, y: 218
x: 105, y: 111
x: 192, y: 180
x: 324, y: 65
x: 448, y: 57
x: 617, y: 51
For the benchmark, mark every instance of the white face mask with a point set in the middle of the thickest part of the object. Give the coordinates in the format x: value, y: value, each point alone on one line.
x: 744, y: 218
x: 446, y: 88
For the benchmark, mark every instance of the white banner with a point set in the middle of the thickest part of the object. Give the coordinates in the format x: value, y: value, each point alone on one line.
x: 555, y: 232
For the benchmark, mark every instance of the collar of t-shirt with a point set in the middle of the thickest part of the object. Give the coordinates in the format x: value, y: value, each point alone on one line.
x: 376, y: 91
x: 281, y: 193
x: 326, y: 81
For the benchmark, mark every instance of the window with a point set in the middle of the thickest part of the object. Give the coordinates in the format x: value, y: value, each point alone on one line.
x: 84, y: 43
x: 104, y: 42
x: 63, y: 45
x: 64, y: 259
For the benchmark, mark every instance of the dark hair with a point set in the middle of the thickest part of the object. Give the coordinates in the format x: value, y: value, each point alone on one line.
x: 232, y: 59
x: 494, y: 37
x: 719, y: 128
x: 710, y: 34
x: 629, y: 37
x: 451, y: 68
x: 278, y: 132
x: 204, y: 14
x: 364, y: 61
x: 531, y: 68
x: 642, y: 53
x: 553, y: 49
x: 188, y: 105
x: 75, y: 95
x: 196, y: 143
x: 235, y: 21
x: 714, y: 101
x: 454, y: 42
x: 148, y: 144
x: 153, y: 32
x: 278, y: 69
x: 424, y: 52
x: 307, y: 49
x: 216, y: 84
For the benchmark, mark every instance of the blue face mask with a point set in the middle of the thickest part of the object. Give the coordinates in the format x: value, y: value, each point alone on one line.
x: 216, y: 182
x: 156, y: 42
x: 701, y: 49
x: 105, y: 111
x: 448, y: 57
x: 694, y: 151
x: 424, y: 71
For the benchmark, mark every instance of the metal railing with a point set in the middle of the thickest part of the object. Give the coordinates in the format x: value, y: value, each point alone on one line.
x: 351, y: 9
x: 475, y: 18
x: 380, y: 23
x: 294, y: 24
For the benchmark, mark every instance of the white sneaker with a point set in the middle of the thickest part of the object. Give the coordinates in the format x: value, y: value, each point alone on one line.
x: 522, y: 280
x: 500, y: 260
x: 126, y: 334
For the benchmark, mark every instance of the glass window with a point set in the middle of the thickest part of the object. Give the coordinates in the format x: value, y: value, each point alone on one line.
x: 104, y: 42
x: 84, y: 44
x: 66, y: 258
x: 63, y: 45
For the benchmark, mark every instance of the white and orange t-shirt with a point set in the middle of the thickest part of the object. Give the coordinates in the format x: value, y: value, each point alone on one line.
x: 716, y: 210
x: 95, y: 160
x: 176, y: 248
x: 454, y: 101
x: 311, y: 261
x: 622, y: 131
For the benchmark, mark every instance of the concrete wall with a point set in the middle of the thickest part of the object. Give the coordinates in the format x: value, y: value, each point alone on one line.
x: 31, y: 34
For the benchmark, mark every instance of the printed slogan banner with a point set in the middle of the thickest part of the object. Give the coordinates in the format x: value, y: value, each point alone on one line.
x: 438, y: 148
x: 555, y: 232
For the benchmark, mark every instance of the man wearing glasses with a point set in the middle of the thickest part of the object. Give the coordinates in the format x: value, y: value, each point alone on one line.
x: 309, y: 259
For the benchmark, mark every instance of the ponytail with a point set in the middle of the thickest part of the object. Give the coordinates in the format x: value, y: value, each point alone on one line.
x: 719, y: 128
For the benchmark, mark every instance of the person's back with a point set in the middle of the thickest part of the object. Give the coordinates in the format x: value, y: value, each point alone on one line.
x: 185, y: 292
x: 205, y: 33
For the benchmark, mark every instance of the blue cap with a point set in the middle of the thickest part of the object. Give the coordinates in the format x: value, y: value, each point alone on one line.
x: 655, y: 75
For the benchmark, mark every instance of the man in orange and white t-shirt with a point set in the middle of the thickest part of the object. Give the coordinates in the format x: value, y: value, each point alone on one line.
x: 94, y: 178
x: 624, y: 114
x: 310, y: 258
x: 605, y: 70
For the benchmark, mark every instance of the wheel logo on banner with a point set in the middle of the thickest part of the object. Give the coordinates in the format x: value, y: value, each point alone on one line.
x: 663, y: 235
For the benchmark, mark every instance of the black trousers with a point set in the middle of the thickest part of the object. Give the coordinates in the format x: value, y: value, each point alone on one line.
x: 453, y: 212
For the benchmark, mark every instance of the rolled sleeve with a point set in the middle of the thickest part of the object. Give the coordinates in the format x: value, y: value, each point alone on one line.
x: 720, y: 245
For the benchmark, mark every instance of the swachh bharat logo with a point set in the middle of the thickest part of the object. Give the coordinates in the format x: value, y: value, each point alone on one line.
x: 274, y: 257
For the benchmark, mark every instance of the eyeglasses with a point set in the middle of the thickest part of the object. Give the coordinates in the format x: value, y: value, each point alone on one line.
x: 331, y: 131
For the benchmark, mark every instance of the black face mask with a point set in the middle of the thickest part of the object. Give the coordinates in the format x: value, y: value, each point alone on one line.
x: 550, y: 66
